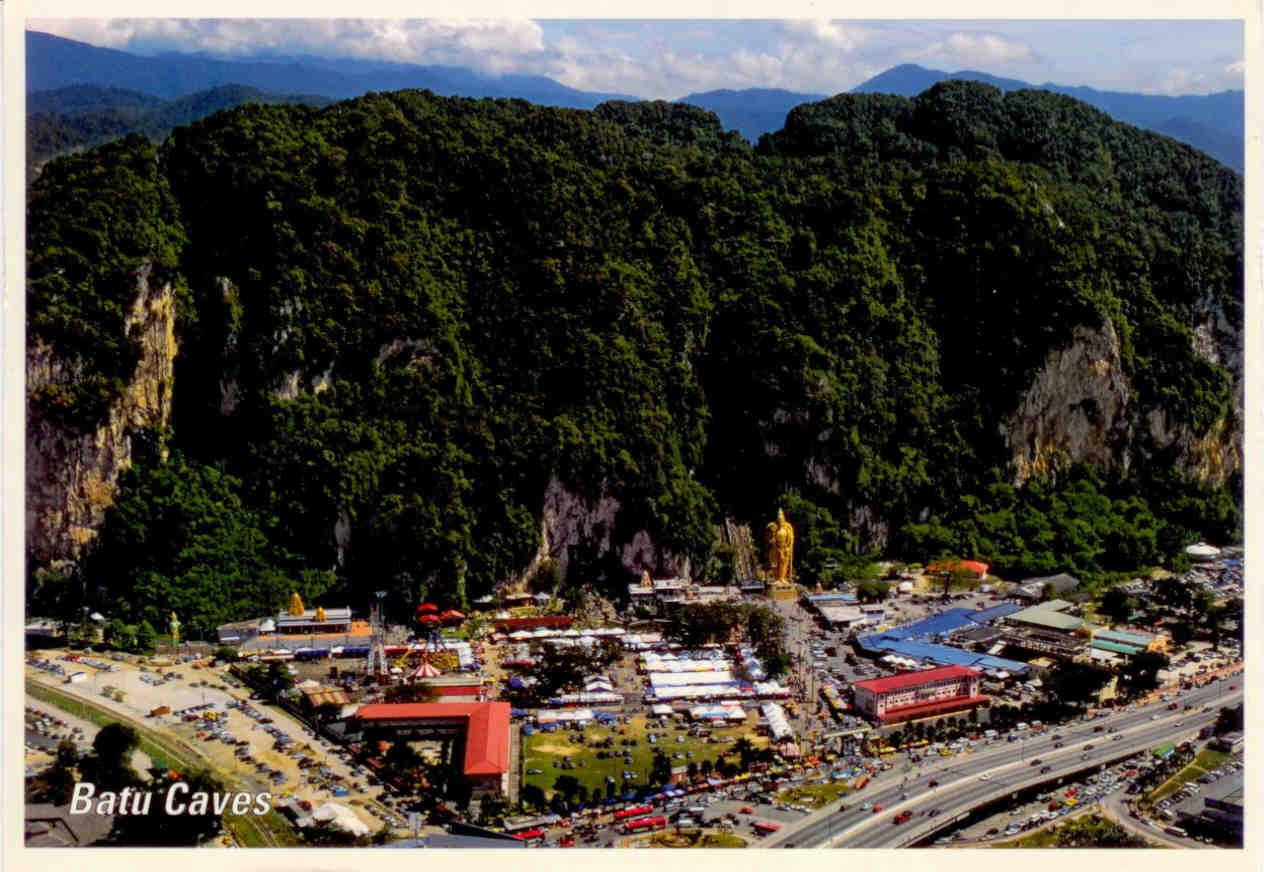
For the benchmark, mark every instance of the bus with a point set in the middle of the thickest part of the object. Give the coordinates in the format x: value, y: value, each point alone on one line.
x: 645, y: 824
x: 634, y: 812
x: 765, y: 827
x: 1164, y: 751
x: 530, y: 835
x: 861, y: 782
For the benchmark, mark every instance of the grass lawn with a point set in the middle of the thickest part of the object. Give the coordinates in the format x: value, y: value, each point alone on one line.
x: 814, y: 795
x: 1090, y: 831
x: 695, y: 839
x: 1206, y: 760
x: 541, y: 750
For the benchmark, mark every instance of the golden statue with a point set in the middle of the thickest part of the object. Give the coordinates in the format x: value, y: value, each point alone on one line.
x: 320, y: 614
x: 779, y: 539
x: 296, y: 605
x: 646, y: 582
x: 174, y: 626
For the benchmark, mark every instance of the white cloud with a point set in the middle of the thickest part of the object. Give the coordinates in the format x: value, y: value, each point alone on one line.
x: 488, y: 44
x: 970, y: 50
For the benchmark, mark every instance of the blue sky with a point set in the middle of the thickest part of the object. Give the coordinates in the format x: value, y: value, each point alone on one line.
x: 668, y: 59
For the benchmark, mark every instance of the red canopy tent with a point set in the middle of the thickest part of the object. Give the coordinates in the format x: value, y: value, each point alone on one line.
x: 427, y: 619
x: 452, y: 615
x: 427, y: 607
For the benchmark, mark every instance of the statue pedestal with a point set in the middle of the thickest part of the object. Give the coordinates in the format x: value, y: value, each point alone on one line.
x: 782, y: 593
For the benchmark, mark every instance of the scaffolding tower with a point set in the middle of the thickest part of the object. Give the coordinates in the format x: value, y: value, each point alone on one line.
x: 376, y: 667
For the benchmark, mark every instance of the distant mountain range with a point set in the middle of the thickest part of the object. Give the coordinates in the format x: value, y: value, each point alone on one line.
x: 1214, y: 123
x: 53, y: 62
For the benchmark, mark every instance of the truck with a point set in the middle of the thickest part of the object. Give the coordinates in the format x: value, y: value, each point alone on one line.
x: 160, y: 710
x: 76, y: 678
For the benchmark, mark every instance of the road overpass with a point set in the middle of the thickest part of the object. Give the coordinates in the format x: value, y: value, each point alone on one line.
x: 1009, y: 769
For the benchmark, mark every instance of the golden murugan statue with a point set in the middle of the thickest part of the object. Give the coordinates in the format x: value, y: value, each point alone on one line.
x: 779, y: 539
x: 647, y: 583
x: 174, y: 626
x: 296, y: 605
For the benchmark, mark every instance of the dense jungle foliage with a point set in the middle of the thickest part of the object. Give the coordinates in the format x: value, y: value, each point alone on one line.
x: 401, y: 316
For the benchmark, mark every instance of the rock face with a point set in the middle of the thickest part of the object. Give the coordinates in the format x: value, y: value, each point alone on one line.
x: 568, y: 519
x: 1075, y: 410
x: 1080, y: 408
x: 71, y: 478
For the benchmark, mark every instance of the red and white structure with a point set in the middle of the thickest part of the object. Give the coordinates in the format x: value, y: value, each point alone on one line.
x: 911, y: 695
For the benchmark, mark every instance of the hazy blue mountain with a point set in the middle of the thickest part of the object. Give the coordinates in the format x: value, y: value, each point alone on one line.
x: 753, y: 111
x: 78, y: 99
x: 53, y: 62
x: 1213, y: 123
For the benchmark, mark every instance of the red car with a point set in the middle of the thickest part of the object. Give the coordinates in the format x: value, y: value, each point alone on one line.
x: 878, y: 808
x: 901, y: 817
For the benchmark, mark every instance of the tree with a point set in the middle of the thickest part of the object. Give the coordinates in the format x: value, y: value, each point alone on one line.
x: 59, y: 778
x: 1141, y: 675
x: 533, y: 795
x: 110, y: 767
x: 1117, y: 605
x: 567, y: 785
x: 186, y: 826
x: 691, y: 770
x: 1182, y: 632
x: 146, y: 636
x: 1075, y: 684
x: 872, y: 591
x: 660, y: 768
x: 120, y: 635
x: 745, y: 752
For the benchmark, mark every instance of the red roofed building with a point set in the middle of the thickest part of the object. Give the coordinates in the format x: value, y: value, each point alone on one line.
x: 483, y: 728
x: 911, y: 695
x: 974, y: 567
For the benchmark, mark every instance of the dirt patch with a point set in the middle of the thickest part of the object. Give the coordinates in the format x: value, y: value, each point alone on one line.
x: 556, y: 750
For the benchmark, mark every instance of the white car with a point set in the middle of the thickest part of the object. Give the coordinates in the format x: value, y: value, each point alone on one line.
x: 986, y: 776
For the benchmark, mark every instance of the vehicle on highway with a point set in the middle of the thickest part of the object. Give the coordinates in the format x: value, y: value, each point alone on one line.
x: 986, y: 776
x: 932, y: 783
x: 878, y: 808
x: 901, y: 817
x: 1036, y: 762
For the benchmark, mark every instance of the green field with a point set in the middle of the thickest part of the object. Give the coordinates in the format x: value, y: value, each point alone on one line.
x: 695, y: 839
x: 1206, y: 760
x: 1090, y: 831
x: 543, y: 749
x: 814, y: 795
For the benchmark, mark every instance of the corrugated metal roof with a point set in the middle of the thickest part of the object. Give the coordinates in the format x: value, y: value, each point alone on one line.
x: 1044, y: 617
x: 1117, y: 647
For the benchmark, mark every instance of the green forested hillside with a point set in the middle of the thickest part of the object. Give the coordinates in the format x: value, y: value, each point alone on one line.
x: 402, y: 316
x: 76, y: 117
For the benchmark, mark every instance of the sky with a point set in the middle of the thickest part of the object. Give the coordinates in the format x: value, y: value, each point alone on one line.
x: 669, y: 59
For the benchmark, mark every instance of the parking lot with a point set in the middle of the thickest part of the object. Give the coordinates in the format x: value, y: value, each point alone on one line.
x: 264, y: 747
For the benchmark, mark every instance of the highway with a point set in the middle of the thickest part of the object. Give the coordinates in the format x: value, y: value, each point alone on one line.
x: 1009, y: 768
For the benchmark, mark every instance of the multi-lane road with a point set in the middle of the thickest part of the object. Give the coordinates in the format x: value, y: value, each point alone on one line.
x: 966, y: 782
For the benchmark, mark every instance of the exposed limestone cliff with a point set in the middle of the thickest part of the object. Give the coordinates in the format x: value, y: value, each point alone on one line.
x: 1075, y: 410
x: 1080, y: 408
x: 569, y: 519
x: 71, y: 479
